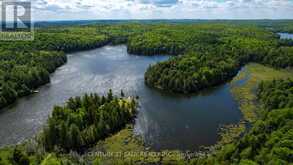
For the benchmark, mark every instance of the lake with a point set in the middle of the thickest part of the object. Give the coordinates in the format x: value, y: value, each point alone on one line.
x: 286, y: 35
x: 165, y: 121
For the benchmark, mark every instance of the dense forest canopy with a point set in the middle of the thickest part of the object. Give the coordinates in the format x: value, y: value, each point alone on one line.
x: 72, y: 127
x: 204, y: 55
x: 85, y: 120
x: 219, y: 50
x: 77, y: 126
x: 25, y: 65
x: 269, y: 141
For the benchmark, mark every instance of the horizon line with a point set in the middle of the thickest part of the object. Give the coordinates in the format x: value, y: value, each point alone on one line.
x: 177, y: 19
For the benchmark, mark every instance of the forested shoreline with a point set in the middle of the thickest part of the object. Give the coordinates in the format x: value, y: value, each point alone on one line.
x: 203, y: 55
x: 85, y: 120
x: 208, y: 54
x: 211, y: 56
x: 26, y: 65
x: 76, y: 127
x: 269, y: 141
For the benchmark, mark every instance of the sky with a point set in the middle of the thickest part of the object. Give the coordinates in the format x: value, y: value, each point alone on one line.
x: 161, y: 9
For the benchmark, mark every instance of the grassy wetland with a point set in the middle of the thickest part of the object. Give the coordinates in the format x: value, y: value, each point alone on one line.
x: 135, y: 93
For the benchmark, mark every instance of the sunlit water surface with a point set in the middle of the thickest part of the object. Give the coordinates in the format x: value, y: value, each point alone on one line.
x: 286, y: 35
x: 165, y: 121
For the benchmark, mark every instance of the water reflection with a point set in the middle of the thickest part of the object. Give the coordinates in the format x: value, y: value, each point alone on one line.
x: 286, y: 35
x: 165, y: 121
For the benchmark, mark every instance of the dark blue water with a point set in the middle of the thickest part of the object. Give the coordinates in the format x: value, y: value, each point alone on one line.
x: 165, y: 121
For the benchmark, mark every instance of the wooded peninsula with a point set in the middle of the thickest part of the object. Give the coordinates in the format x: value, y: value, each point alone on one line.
x: 204, y: 55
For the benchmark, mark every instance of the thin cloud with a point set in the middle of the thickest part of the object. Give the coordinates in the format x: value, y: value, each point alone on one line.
x: 164, y: 9
x: 160, y: 3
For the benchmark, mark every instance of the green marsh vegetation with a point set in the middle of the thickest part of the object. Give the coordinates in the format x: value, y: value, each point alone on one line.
x: 205, y: 55
x: 75, y: 127
x: 208, y: 54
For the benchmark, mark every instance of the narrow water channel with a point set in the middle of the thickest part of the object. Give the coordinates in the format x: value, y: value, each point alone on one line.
x: 165, y: 121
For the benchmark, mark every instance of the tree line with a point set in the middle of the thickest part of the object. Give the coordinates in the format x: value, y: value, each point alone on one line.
x: 85, y: 120
x: 25, y: 65
x: 269, y: 141
x: 210, y: 54
x: 207, y: 54
x: 73, y: 128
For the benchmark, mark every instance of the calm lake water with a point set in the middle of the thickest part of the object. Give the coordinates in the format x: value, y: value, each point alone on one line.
x: 286, y: 35
x: 165, y: 121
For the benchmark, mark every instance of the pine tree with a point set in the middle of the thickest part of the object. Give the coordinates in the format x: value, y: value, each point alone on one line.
x: 110, y: 95
x: 122, y: 93
x: 75, y: 139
